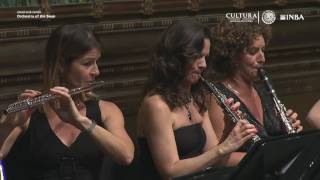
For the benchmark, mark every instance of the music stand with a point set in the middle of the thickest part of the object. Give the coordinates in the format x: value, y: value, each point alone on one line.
x: 294, y: 156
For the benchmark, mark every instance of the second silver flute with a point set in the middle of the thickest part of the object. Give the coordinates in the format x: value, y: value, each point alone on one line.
x: 221, y: 98
x: 33, y: 102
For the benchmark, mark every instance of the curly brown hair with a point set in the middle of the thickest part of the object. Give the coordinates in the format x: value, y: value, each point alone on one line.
x: 229, y: 39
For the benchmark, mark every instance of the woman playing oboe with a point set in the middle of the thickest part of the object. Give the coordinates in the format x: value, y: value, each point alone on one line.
x: 68, y: 137
x: 238, y: 54
x: 175, y: 134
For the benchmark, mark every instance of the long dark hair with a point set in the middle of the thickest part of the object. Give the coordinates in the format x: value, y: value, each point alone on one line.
x: 180, y: 45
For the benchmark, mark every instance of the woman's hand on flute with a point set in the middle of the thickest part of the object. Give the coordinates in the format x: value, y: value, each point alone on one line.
x: 21, y: 117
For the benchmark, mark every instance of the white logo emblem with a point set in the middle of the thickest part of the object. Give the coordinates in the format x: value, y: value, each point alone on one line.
x: 268, y: 17
x: 294, y: 17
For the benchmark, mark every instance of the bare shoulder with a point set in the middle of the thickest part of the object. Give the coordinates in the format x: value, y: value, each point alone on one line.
x: 153, y: 110
x: 154, y: 103
x: 108, y: 105
x: 153, y: 116
x: 110, y: 110
x: 313, y: 116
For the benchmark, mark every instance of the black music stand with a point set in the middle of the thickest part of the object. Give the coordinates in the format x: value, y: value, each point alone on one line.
x: 291, y: 157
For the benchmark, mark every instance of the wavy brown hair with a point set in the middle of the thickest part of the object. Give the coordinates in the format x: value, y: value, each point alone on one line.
x: 230, y: 39
x: 179, y: 46
x: 66, y: 43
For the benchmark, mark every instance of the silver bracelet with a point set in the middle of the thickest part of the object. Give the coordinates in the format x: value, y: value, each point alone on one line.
x: 93, y: 125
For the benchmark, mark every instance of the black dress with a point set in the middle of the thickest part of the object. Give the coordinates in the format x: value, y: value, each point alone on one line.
x: 40, y: 155
x: 271, y: 121
x: 190, y: 142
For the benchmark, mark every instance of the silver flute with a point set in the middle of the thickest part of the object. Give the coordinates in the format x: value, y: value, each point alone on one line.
x: 39, y: 100
x: 281, y: 109
x: 221, y: 99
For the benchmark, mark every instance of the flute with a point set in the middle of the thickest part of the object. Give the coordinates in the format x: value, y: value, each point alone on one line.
x: 39, y: 100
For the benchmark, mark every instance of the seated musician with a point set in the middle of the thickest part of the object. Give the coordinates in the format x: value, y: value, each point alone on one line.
x: 66, y: 138
x: 174, y: 132
x: 238, y: 54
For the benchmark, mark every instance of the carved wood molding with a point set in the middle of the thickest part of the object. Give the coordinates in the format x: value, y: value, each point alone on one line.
x: 123, y: 8
x: 148, y: 7
x: 163, y: 6
x: 281, y: 2
x: 239, y: 4
x: 242, y: 4
x: 195, y: 5
x: 217, y: 4
x: 45, y: 8
x: 98, y: 8
x: 102, y: 27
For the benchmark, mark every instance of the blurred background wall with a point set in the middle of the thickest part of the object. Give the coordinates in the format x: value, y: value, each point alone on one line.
x: 129, y: 30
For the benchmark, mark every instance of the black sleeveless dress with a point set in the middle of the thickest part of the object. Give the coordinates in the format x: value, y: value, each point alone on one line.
x: 190, y: 142
x: 271, y: 121
x: 40, y: 155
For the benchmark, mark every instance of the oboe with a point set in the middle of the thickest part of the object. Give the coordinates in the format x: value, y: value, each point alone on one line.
x: 281, y: 109
x: 39, y: 100
x: 221, y: 98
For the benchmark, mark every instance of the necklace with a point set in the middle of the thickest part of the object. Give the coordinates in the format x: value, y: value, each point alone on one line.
x: 187, y: 106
